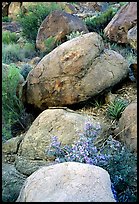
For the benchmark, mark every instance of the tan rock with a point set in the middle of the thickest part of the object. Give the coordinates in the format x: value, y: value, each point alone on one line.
x: 58, y: 24
x: 124, y: 20
x: 67, y: 182
x: 5, y: 7
x: 14, y: 9
x: 63, y: 123
x: 11, y: 145
x: 128, y: 127
x: 73, y: 72
x: 132, y: 37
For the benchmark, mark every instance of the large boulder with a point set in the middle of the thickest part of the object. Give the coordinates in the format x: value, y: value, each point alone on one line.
x: 128, y: 127
x: 125, y: 19
x: 58, y: 24
x: 73, y: 72
x: 63, y: 123
x: 132, y: 37
x: 14, y: 9
x: 12, y: 182
x: 68, y: 182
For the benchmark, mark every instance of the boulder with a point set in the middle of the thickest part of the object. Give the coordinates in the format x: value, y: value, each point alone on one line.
x: 132, y: 37
x: 63, y: 123
x: 12, y: 182
x: 5, y: 7
x: 68, y: 182
x: 73, y: 72
x: 68, y: 7
x: 11, y: 145
x: 14, y: 9
x: 124, y: 20
x: 27, y: 166
x: 58, y: 24
x: 128, y: 127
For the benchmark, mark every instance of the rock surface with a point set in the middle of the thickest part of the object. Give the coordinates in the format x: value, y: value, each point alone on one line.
x: 12, y: 182
x: 125, y: 19
x: 14, y: 9
x: 128, y: 127
x: 73, y: 72
x: 65, y: 124
x: 132, y: 37
x: 27, y: 166
x: 58, y: 24
x: 68, y: 182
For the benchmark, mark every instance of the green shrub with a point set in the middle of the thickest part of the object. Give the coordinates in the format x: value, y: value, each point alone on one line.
x: 6, y: 19
x: 14, y: 52
x: 31, y: 21
x: 12, y: 107
x: 9, y: 37
x: 116, y: 108
x: 74, y: 34
x: 10, y: 53
x: 99, y: 22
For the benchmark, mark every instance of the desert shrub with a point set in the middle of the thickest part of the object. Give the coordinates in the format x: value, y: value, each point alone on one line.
x: 10, y: 53
x: 14, y: 52
x: 100, y: 21
x: 112, y: 156
x: 9, y: 37
x: 12, y: 107
x: 31, y: 21
x: 115, y: 108
x: 74, y: 34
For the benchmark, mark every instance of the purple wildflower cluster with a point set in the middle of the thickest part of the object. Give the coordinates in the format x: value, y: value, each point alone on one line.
x: 112, y: 156
x: 82, y: 151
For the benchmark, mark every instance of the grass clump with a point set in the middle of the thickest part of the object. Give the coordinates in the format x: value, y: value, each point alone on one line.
x: 50, y: 44
x: 9, y: 37
x: 112, y: 156
x: 12, y: 107
x: 12, y: 53
x: 116, y: 108
x: 74, y: 34
x: 31, y: 21
x: 99, y: 22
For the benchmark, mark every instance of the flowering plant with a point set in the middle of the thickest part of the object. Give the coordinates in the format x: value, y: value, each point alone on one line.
x: 112, y: 156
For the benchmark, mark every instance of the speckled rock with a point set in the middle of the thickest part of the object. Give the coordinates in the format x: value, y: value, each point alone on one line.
x: 68, y: 182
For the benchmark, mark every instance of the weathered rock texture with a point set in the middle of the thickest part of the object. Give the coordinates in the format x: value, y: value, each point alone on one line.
x: 65, y: 124
x: 128, y: 127
x: 132, y: 37
x: 58, y: 24
x: 125, y: 19
x: 14, y: 9
x: 5, y: 7
x: 12, y: 182
x: 73, y: 72
x: 68, y: 182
